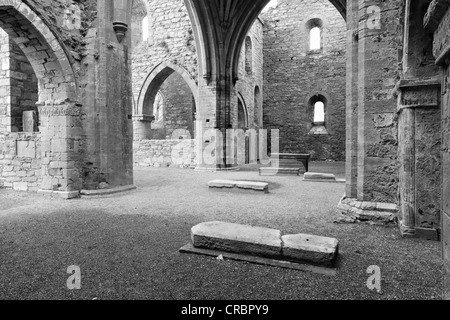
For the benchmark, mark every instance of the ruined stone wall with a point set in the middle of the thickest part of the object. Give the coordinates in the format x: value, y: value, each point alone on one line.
x: 446, y: 165
x: 248, y: 81
x: 20, y: 161
x: 440, y: 13
x: 378, y: 74
x: 165, y: 153
x: 293, y: 75
x: 170, y: 40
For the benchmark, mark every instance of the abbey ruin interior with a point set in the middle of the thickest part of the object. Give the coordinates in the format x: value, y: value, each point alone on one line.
x: 94, y: 91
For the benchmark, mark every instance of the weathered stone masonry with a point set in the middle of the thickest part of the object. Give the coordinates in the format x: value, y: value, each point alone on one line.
x: 294, y: 75
x: 74, y: 48
x: 437, y: 21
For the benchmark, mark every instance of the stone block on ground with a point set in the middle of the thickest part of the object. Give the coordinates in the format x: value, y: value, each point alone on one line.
x: 316, y: 250
x: 237, y: 238
x: 265, y: 242
x: 313, y: 176
x: 247, y: 185
x: 222, y: 184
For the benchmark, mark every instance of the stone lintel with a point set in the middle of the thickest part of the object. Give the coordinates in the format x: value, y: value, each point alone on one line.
x: 418, y: 93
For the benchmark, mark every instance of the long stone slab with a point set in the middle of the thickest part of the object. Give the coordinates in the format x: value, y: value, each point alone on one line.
x: 264, y: 242
x: 311, y: 249
x: 313, y: 176
x: 248, y: 185
x: 237, y: 238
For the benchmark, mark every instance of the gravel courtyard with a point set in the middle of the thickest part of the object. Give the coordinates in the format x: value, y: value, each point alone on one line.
x: 127, y: 244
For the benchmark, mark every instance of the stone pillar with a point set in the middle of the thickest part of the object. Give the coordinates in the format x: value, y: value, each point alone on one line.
x: 419, y: 157
x: 143, y: 127
x: 352, y: 99
x: 436, y: 20
x: 61, y: 137
x: 208, y: 140
x: 377, y: 105
x: 107, y: 104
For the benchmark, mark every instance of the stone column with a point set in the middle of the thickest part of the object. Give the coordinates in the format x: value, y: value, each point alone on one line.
x: 143, y: 127
x: 419, y: 158
x: 208, y: 140
x: 61, y: 137
x: 352, y: 99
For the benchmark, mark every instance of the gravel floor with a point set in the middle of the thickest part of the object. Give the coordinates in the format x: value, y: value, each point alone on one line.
x: 127, y: 245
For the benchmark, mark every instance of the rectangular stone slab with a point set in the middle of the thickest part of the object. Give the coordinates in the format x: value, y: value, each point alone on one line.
x: 310, y: 249
x: 222, y: 184
x: 319, y: 176
x: 257, y: 186
x: 237, y: 238
x: 249, y: 185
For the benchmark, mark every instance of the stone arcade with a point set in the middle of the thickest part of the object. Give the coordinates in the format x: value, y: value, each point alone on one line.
x: 79, y: 76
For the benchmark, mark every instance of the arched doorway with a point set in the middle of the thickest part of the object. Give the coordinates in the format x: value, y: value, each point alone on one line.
x: 170, y: 91
x: 46, y: 64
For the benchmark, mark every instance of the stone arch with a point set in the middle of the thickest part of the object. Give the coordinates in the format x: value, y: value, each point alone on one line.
x: 207, y: 17
x: 59, y: 110
x: 154, y: 81
x: 48, y: 57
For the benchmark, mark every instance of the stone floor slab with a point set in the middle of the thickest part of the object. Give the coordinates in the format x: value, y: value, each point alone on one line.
x: 248, y: 185
x: 237, y: 238
x: 313, y: 176
x: 316, y: 250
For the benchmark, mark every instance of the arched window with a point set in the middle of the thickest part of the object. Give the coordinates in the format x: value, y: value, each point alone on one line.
x: 315, y: 38
x: 145, y: 29
x: 319, y: 112
x: 318, y: 115
x: 248, y: 55
x: 314, y: 27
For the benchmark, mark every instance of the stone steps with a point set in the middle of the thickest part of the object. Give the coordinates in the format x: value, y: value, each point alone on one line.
x: 266, y: 243
x: 269, y: 171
